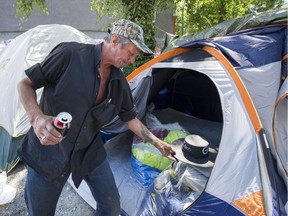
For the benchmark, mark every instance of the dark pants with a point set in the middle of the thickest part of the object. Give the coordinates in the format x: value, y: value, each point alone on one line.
x: 41, y: 196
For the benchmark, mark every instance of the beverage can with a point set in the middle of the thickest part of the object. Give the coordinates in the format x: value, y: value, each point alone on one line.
x: 62, y: 122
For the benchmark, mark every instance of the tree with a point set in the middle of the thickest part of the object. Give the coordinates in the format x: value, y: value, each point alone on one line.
x: 197, y: 15
x: 24, y: 8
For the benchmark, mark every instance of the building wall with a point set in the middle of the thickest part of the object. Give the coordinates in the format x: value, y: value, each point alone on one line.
x: 75, y: 13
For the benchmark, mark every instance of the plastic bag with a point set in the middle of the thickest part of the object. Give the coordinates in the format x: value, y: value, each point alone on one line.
x: 147, y: 161
x: 169, y: 194
x: 143, y: 174
x: 7, y: 192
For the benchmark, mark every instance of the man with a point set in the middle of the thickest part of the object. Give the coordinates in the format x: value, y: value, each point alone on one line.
x: 85, y: 81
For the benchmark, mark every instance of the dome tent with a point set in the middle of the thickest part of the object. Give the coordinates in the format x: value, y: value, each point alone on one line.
x: 225, y: 89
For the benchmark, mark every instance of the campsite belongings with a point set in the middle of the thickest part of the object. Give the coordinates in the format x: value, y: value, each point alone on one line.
x: 194, y: 150
x: 180, y: 185
x: 146, y: 160
x: 230, y: 90
x: 174, y: 189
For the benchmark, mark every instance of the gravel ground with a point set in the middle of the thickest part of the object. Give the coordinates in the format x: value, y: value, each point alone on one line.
x: 70, y: 203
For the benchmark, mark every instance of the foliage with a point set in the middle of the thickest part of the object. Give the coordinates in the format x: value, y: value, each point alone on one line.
x: 24, y: 8
x: 197, y: 15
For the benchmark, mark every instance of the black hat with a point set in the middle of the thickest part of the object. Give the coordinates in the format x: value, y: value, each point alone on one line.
x: 194, y: 150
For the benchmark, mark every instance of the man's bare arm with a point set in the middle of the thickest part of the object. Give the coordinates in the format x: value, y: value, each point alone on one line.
x: 41, y: 123
x: 140, y: 130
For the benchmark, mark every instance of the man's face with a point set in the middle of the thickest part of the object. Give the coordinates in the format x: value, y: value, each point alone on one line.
x: 125, y: 54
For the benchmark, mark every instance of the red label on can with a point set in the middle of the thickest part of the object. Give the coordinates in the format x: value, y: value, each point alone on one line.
x: 63, y: 120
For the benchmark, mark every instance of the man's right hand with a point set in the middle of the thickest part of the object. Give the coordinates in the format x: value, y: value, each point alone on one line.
x: 42, y: 124
x: 45, y: 131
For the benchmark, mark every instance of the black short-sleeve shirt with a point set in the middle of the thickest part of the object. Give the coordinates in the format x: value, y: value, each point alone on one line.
x: 71, y: 80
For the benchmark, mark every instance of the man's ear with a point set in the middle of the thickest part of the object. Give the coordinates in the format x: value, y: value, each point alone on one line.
x: 114, y: 40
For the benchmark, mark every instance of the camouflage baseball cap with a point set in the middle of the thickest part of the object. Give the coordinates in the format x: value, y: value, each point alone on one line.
x: 132, y: 31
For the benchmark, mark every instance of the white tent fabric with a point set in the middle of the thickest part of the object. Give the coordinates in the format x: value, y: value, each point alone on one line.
x: 280, y: 131
x: 263, y: 84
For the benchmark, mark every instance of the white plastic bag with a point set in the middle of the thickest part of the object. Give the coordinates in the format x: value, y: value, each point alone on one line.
x: 7, y: 192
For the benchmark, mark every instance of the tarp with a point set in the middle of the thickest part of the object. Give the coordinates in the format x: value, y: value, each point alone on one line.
x: 245, y: 22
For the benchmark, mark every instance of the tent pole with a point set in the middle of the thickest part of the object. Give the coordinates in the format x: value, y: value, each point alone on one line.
x: 270, y: 165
